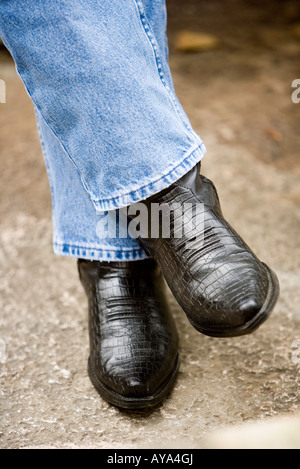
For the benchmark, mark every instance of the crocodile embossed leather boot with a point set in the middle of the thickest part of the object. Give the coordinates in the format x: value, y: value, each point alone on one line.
x: 224, y: 289
x: 134, y: 357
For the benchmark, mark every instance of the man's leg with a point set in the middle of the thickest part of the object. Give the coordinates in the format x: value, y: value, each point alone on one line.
x: 100, y: 80
x: 134, y: 355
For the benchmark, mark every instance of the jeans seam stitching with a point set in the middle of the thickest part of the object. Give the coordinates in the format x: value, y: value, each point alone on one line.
x: 154, y: 45
x: 58, y: 138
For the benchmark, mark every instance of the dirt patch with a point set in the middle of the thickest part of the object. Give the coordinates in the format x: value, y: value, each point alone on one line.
x: 242, y: 90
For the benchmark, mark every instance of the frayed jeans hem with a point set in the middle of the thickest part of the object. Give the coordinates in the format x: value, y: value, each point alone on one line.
x: 99, y: 254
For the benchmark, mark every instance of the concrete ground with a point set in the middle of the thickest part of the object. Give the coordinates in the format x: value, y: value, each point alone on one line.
x: 238, y: 97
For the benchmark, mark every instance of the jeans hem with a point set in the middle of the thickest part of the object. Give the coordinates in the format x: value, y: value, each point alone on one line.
x: 99, y: 254
x: 154, y: 187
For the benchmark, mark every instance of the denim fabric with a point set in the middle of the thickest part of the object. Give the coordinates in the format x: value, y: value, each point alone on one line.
x: 112, y: 129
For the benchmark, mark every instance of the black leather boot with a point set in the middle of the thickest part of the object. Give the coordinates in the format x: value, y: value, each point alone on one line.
x: 217, y: 280
x: 134, y: 357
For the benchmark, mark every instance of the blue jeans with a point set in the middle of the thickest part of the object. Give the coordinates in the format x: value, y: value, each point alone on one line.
x: 112, y: 129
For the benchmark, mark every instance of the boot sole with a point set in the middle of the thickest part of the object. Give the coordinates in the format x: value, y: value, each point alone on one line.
x: 252, y: 325
x: 135, y: 403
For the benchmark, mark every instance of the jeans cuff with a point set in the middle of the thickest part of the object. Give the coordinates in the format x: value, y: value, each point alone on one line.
x: 162, y: 182
x: 99, y: 254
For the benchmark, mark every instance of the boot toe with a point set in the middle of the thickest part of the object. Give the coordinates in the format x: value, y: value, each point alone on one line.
x: 137, y: 389
x: 239, y: 309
